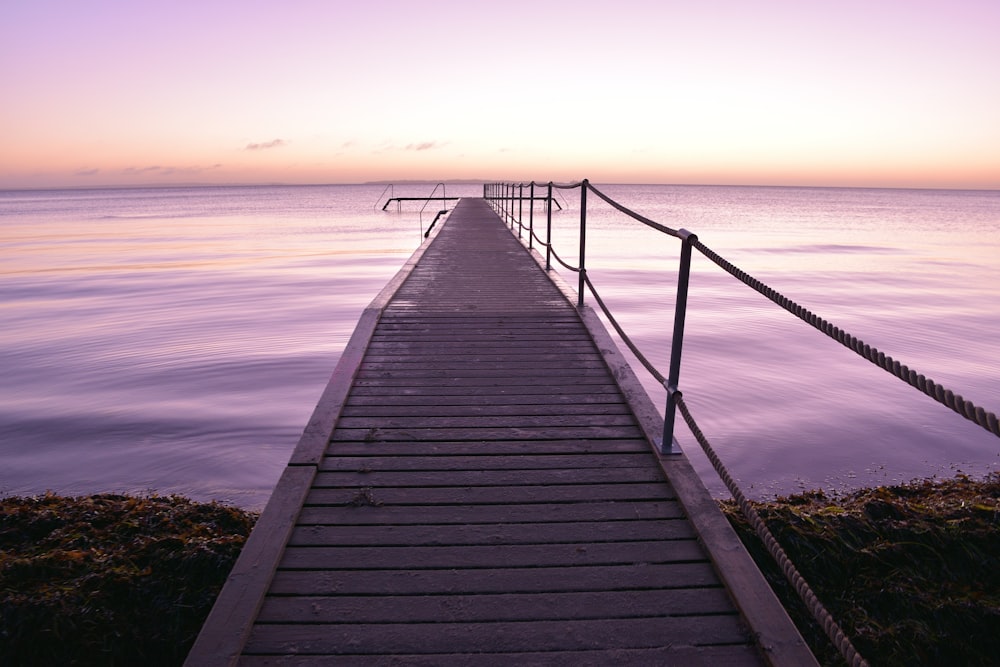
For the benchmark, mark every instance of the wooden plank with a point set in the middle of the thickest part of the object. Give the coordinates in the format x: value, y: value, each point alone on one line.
x: 480, y: 556
x: 425, y: 423
x: 470, y: 535
x: 506, y: 580
x: 447, y: 345
x: 511, y: 381
x: 485, y: 495
x: 550, y: 321
x: 379, y: 435
x: 485, y: 462
x: 573, y: 367
x: 495, y: 607
x: 486, y: 356
x: 506, y: 513
x: 486, y: 477
x: 447, y: 394
x: 484, y: 409
x: 445, y: 400
x: 344, y: 638
x: 367, y: 446
x: 689, y: 656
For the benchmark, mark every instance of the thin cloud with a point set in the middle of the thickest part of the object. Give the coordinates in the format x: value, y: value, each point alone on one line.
x: 423, y: 146
x: 86, y: 172
x: 169, y: 171
x: 144, y: 170
x: 275, y: 143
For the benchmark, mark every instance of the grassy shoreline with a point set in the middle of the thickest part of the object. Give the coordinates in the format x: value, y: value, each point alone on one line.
x: 911, y: 572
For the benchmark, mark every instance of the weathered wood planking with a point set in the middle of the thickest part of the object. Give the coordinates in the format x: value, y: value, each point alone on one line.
x: 487, y: 494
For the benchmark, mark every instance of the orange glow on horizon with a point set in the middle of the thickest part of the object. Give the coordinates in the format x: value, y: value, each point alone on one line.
x: 732, y: 94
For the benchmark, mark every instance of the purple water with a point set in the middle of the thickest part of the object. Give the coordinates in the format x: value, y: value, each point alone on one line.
x: 176, y: 340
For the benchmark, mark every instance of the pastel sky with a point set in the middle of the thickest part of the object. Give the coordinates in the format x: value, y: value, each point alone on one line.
x: 872, y: 92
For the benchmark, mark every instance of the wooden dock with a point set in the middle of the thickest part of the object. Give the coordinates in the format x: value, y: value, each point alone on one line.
x: 477, y: 487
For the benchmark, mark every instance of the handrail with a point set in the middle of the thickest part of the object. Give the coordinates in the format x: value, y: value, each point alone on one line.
x: 444, y: 195
x: 389, y: 188
x: 434, y: 221
x: 427, y: 200
x: 501, y: 197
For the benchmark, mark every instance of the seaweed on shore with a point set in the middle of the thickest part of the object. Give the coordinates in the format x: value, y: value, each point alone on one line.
x: 111, y: 579
x: 910, y: 572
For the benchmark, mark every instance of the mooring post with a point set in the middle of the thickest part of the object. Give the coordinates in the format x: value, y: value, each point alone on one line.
x: 583, y: 242
x: 677, y: 343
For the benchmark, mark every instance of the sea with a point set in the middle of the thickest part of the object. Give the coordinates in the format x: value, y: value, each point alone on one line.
x: 175, y: 340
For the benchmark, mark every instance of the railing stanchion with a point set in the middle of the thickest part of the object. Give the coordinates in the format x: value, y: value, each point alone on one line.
x: 677, y: 343
x: 531, y: 215
x: 508, y: 202
x: 583, y: 241
x: 520, y: 208
x: 548, y: 230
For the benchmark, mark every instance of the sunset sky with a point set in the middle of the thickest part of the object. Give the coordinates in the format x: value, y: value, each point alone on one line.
x: 872, y: 92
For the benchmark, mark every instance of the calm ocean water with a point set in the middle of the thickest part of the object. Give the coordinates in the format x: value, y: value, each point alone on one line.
x: 176, y: 340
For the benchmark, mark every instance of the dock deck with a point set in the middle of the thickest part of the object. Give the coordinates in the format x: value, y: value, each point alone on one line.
x: 477, y: 486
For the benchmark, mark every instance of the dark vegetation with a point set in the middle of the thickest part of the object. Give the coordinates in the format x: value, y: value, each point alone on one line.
x: 911, y: 572
x: 110, y: 579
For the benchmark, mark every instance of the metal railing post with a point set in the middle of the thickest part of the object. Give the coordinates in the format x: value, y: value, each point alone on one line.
x: 677, y: 344
x: 509, y: 203
x: 531, y: 215
x: 583, y: 242
x: 548, y: 230
x: 520, y: 208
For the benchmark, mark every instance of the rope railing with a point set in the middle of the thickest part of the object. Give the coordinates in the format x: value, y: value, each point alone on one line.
x: 646, y: 363
x: 939, y: 393
x: 504, y: 193
x: 955, y: 402
x: 632, y: 214
x: 825, y: 619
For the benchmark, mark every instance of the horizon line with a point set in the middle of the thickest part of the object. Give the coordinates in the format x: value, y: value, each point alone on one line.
x: 468, y: 181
